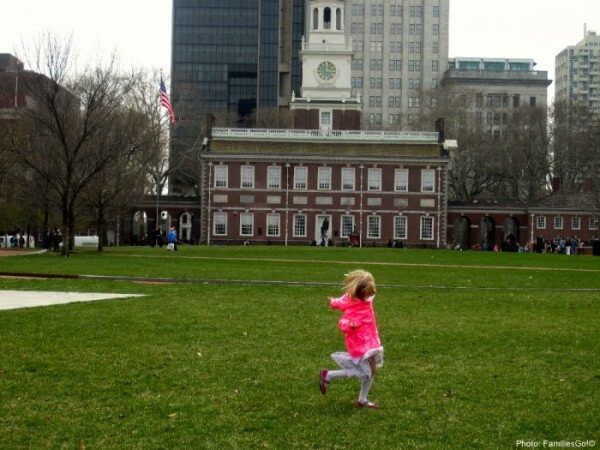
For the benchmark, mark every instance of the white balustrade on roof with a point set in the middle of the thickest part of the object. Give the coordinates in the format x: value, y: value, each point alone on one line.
x: 278, y: 134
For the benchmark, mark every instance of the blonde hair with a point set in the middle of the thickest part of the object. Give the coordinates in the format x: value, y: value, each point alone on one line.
x: 359, y: 284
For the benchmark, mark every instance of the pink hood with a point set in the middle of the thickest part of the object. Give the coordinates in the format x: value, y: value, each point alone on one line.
x: 358, y: 324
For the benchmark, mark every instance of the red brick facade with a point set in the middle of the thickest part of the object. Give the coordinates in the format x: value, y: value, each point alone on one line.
x: 370, y: 209
x: 533, y: 223
x: 308, y: 119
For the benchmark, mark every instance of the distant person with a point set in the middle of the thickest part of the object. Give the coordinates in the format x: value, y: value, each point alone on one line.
x: 172, y: 239
x: 365, y: 353
x: 45, y: 241
x: 57, y: 239
x: 159, y: 237
x: 324, y: 230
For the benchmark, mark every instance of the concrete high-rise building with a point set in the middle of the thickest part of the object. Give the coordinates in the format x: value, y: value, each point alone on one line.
x: 493, y: 87
x: 578, y: 73
x: 400, y: 49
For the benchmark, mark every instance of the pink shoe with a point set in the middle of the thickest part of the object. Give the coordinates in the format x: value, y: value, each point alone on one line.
x: 323, y: 383
x: 370, y: 405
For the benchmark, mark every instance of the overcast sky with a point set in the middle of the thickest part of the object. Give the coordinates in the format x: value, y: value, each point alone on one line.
x: 140, y: 30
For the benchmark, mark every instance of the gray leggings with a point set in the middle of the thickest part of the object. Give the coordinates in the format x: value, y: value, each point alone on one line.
x: 365, y: 376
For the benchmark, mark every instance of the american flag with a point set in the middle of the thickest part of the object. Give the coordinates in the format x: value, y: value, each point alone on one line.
x: 164, y: 101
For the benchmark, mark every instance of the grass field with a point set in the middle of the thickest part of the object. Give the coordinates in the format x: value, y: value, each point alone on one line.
x: 482, y: 350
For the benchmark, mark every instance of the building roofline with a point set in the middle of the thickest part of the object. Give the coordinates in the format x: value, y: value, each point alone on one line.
x: 316, y: 157
x: 333, y: 136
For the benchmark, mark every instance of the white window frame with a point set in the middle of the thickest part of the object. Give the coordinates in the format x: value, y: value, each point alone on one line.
x: 345, y: 178
x: 369, y: 234
x: 220, y: 215
x: 592, y: 223
x: 324, y: 179
x: 245, y: 215
x: 300, y: 178
x: 573, y: 220
x: 353, y: 225
x: 427, y: 187
x: 294, y: 231
x: 405, y: 220
x: 371, y: 178
x: 221, y: 174
x: 325, y: 113
x: 246, y: 177
x: 397, y: 175
x: 422, y: 228
x: 540, y: 222
x: 274, y: 177
x: 558, y: 222
x: 278, y: 225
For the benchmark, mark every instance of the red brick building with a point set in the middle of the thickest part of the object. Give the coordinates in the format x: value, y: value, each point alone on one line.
x: 300, y: 186
x: 558, y: 216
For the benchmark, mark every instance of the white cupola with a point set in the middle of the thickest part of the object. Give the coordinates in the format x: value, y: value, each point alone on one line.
x: 327, y: 21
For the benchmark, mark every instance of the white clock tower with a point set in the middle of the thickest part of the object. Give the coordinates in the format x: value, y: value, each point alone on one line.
x: 326, y: 101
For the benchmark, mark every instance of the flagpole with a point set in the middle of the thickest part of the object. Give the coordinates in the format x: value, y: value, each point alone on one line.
x: 258, y: 64
x: 17, y: 88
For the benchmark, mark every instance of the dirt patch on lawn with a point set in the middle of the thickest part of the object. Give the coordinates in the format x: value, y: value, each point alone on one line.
x: 15, y: 277
x: 14, y: 252
x: 4, y: 252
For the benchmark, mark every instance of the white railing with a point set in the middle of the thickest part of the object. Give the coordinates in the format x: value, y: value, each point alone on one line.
x: 319, y: 135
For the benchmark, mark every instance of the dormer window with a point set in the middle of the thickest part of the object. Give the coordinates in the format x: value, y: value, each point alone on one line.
x: 327, y: 18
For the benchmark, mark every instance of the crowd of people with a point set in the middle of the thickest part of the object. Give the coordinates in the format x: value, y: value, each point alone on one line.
x: 568, y: 246
x: 560, y: 245
x: 17, y: 241
x: 158, y: 238
x: 51, y: 239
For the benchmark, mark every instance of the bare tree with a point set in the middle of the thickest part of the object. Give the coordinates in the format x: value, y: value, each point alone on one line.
x: 472, y: 164
x: 64, y: 123
x: 122, y: 182
x: 523, y: 160
x: 158, y: 164
x: 573, y: 144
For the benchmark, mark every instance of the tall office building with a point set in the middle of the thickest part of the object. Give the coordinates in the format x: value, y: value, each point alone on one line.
x: 229, y: 56
x: 578, y: 73
x: 401, y: 49
x: 493, y: 87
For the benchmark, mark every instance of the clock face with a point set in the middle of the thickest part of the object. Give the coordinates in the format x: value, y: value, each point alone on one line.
x: 326, y: 70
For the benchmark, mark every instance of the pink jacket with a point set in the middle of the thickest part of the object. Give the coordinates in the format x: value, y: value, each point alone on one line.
x: 358, y: 324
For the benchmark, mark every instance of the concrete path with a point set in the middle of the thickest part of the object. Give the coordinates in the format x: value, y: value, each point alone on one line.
x: 30, y: 299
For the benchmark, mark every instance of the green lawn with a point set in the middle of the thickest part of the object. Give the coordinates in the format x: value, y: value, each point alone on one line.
x: 235, y: 365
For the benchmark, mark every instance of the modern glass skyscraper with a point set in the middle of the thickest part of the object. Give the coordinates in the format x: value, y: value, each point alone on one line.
x: 401, y: 49
x: 223, y: 50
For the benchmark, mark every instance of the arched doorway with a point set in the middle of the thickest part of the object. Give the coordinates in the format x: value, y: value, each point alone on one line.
x: 164, y: 221
x: 462, y: 231
x: 185, y: 227
x: 510, y: 235
x: 139, y: 229
x: 486, y: 233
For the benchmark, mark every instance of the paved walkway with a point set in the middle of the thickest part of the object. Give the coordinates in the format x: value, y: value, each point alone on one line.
x: 30, y: 299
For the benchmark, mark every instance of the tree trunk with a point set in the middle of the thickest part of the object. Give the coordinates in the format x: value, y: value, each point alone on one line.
x: 71, y: 229
x: 100, y: 224
x: 65, y: 225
